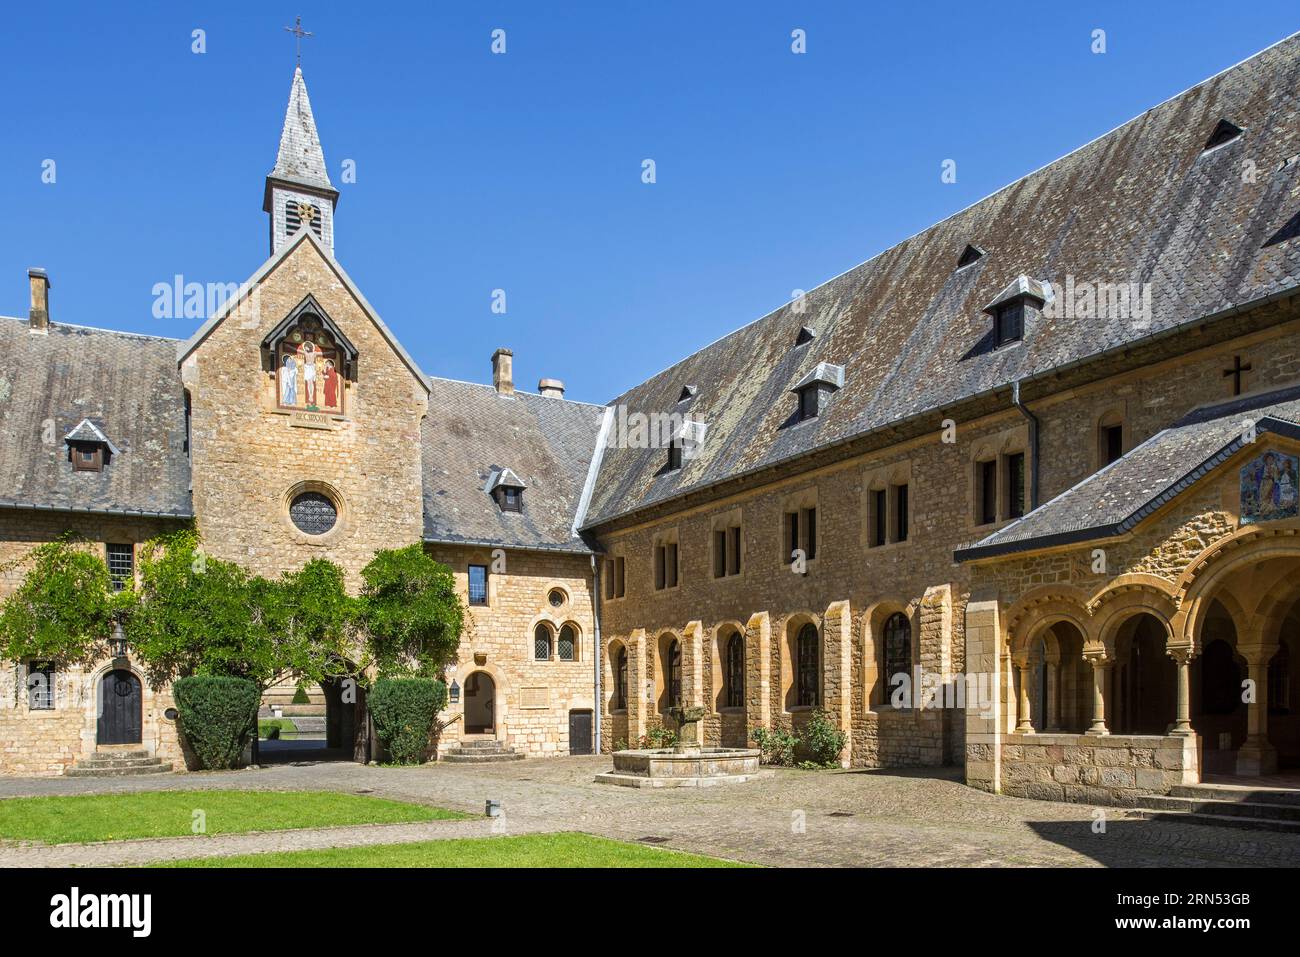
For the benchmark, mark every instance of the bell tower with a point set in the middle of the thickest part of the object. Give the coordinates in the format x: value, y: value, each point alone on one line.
x: 299, y: 194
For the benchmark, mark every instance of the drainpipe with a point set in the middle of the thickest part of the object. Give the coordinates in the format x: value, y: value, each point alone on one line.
x: 595, y: 614
x: 1033, y: 443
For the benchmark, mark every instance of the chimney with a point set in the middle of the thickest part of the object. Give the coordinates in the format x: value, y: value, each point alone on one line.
x: 40, y: 311
x: 502, y: 373
x: 551, y: 388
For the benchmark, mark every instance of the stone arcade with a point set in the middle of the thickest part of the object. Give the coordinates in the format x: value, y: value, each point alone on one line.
x: 931, y: 466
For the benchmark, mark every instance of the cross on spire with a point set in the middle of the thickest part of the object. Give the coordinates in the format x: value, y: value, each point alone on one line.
x: 298, y: 34
x: 1236, y: 372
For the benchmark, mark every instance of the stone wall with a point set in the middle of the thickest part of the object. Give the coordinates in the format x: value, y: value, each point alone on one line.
x: 43, y: 742
x: 1113, y: 769
x: 533, y: 698
x: 249, y: 456
x: 918, y: 576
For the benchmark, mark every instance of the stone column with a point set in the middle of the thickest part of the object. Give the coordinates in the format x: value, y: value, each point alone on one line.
x: 1256, y: 756
x: 1024, y: 720
x: 636, y: 693
x: 1099, y: 665
x: 983, y: 714
x: 1183, y: 716
x: 837, y: 670
x: 1051, y: 720
x: 693, y: 665
x: 758, y: 672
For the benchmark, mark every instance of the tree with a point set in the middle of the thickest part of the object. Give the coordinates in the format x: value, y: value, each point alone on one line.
x: 64, y: 609
x: 410, y: 613
x: 198, y: 615
x: 312, y: 622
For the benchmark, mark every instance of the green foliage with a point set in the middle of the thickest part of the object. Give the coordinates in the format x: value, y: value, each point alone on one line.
x: 657, y: 737
x: 821, y: 740
x: 312, y: 620
x: 199, y: 615
x: 404, y: 711
x: 410, y: 613
x: 300, y: 695
x: 63, y: 610
x: 218, y: 716
x: 777, y: 745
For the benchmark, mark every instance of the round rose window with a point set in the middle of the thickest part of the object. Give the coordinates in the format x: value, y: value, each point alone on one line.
x: 313, y: 513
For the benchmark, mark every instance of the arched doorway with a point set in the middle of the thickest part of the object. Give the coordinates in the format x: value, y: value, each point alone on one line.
x: 480, y: 703
x: 121, y: 709
x: 1144, y: 678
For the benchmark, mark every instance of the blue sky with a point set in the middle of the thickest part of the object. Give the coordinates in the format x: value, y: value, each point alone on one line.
x: 522, y: 171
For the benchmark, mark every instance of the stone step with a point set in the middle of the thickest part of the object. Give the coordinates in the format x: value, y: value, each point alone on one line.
x: 112, y: 772
x: 488, y: 743
x: 479, y: 757
x: 1237, y: 795
x: 113, y: 751
x: 99, y: 760
x: 1242, y: 809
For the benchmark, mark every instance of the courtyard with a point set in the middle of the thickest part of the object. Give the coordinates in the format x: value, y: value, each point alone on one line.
x: 923, y: 818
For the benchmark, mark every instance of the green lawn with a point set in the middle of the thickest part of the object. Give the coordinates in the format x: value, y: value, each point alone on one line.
x: 530, y: 850
x: 264, y: 726
x: 117, y: 817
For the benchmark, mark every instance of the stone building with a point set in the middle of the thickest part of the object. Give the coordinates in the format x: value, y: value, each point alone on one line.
x: 1017, y: 494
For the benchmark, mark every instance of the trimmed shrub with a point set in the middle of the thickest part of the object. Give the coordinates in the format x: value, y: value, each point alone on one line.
x: 218, y: 717
x: 404, y: 711
x: 300, y: 696
x: 821, y: 740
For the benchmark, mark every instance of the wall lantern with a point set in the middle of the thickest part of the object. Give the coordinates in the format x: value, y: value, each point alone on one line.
x: 117, y: 644
x: 455, y: 692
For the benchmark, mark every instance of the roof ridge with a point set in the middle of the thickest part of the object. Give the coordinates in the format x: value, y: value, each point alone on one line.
x: 111, y: 332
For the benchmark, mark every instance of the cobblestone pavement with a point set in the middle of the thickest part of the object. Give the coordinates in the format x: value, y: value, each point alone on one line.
x: 838, y: 818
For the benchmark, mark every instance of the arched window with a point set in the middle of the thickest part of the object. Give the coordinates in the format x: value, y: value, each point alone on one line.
x: 673, y: 671
x: 806, y: 665
x: 568, y: 646
x: 735, y: 672
x: 541, y: 643
x: 898, y: 649
x: 620, y: 680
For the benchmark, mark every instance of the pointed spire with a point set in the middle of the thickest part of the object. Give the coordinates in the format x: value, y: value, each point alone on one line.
x: 301, y: 159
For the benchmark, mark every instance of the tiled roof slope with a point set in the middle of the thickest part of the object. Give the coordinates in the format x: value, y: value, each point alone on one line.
x: 547, y: 442
x: 1115, y: 499
x: 1139, y: 204
x: 127, y: 385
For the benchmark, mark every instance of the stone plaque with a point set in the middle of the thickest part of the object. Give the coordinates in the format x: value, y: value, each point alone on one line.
x: 312, y: 420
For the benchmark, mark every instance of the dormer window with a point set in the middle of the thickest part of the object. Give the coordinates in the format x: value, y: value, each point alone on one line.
x: 815, y: 389
x: 806, y: 335
x: 1009, y: 323
x: 687, y: 393
x: 674, y: 455
x: 89, y: 449
x: 506, y: 490
x: 1224, y: 132
x: 1022, y: 298
x: 969, y: 256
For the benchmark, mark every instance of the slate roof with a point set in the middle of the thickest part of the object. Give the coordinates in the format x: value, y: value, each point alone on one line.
x: 473, y: 431
x: 1139, y: 204
x: 127, y: 386
x: 301, y: 159
x: 1118, y: 497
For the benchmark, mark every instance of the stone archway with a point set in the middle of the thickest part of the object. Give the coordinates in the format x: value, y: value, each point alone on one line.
x: 1144, y: 678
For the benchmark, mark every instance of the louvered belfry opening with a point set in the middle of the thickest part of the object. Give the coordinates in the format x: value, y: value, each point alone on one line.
x: 293, y: 216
